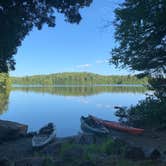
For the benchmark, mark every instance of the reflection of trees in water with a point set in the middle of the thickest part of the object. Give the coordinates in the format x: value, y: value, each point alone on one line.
x: 4, y: 99
x: 82, y: 90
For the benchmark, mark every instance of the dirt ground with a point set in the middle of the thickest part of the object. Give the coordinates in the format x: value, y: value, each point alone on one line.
x: 20, y: 148
x: 17, y: 149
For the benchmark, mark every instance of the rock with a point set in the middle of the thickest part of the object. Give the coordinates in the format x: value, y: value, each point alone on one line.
x: 11, y: 130
x: 52, y: 149
x: 32, y: 161
x: 155, y: 154
x: 152, y: 153
x: 73, y: 153
x: 161, y: 128
x: 134, y: 153
x: 4, y: 162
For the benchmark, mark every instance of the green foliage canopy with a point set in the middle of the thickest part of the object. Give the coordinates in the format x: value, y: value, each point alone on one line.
x: 140, y: 32
x: 141, y: 37
x: 18, y: 17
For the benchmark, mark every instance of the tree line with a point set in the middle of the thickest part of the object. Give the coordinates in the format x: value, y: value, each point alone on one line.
x: 77, y: 78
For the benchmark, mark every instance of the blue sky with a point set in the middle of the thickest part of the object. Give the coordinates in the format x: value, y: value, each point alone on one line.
x: 69, y: 47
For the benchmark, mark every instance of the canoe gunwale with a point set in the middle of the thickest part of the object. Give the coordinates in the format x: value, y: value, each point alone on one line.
x: 118, y: 126
x: 39, y: 144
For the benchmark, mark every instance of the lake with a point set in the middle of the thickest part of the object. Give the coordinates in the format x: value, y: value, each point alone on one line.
x: 64, y: 105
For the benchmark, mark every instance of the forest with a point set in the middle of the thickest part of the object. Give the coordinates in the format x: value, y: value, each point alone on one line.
x: 5, y: 80
x: 77, y: 78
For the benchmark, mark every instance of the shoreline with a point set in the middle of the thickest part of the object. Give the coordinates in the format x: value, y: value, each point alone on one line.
x: 77, y: 85
x: 20, y: 148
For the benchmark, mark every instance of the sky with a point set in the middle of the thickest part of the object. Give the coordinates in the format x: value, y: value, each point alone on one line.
x: 70, y: 47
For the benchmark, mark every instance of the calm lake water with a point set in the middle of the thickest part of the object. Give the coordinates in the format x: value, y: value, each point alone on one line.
x: 36, y: 106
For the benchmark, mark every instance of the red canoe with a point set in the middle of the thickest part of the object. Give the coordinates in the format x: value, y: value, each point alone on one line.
x: 118, y: 126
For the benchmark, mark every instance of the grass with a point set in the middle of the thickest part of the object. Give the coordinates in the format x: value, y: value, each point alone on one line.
x: 109, y: 152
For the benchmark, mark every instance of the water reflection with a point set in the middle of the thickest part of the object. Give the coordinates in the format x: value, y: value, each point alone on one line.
x: 37, y: 106
x: 4, y: 99
x: 82, y: 90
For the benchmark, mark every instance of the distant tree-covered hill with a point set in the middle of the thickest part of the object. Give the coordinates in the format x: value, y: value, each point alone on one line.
x: 77, y: 78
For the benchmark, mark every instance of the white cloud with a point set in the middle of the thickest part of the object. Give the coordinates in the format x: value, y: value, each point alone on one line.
x: 84, y: 66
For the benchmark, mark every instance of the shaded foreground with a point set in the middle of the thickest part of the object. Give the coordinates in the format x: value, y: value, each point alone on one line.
x: 87, y: 150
